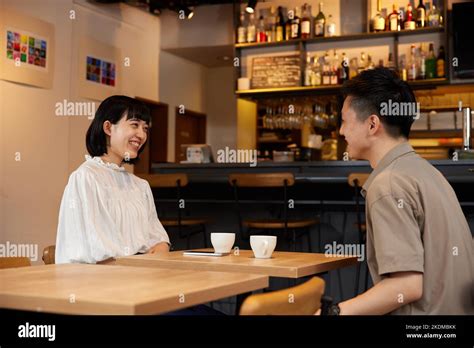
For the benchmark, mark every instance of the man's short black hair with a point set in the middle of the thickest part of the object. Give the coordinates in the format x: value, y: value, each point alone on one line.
x: 113, y: 109
x: 373, y: 90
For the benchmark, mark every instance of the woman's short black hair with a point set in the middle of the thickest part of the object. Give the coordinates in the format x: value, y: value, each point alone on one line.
x: 113, y: 109
x: 372, y: 90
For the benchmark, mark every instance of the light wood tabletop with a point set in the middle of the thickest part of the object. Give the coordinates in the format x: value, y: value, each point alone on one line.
x: 101, y: 289
x: 281, y: 264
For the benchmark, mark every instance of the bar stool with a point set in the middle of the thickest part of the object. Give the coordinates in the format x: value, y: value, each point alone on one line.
x: 186, y: 227
x: 357, y: 180
x: 271, y: 180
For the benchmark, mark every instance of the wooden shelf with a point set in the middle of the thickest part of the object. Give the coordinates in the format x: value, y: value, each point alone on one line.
x: 429, y: 134
x: 352, y: 37
x: 325, y: 89
x: 275, y: 141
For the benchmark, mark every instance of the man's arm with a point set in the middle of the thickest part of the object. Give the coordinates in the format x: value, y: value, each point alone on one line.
x: 391, y: 293
x: 161, y: 247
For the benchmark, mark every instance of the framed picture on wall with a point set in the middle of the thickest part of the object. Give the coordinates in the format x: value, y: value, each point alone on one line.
x: 26, y: 49
x: 99, y: 71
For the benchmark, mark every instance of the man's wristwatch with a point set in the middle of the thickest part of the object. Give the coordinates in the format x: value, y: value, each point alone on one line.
x: 334, y: 309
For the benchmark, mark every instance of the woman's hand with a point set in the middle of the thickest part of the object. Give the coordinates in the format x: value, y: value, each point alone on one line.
x: 162, y: 247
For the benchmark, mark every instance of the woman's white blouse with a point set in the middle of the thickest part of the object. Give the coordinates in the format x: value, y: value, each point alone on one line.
x: 106, y: 212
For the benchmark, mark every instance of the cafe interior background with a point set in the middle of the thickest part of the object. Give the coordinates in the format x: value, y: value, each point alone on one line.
x: 185, y: 70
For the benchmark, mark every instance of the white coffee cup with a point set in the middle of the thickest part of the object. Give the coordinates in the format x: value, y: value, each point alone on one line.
x: 222, y: 242
x: 263, y: 246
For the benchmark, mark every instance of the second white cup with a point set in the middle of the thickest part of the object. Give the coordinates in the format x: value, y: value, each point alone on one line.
x: 222, y: 242
x: 263, y: 246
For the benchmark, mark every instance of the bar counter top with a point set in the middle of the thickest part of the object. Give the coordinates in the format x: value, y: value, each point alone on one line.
x: 335, y: 172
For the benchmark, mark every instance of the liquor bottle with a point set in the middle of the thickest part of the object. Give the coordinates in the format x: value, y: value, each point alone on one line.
x: 403, y: 68
x: 441, y: 62
x: 394, y: 20
x: 288, y: 25
x: 431, y: 63
x: 422, y: 64
x: 370, y: 63
x: 353, y: 68
x: 319, y: 22
x: 251, y: 29
x: 280, y: 26
x: 271, y: 25
x: 409, y: 20
x: 242, y: 29
x: 295, y: 25
x: 412, y: 67
x: 326, y: 68
x: 334, y: 67
x: 308, y: 71
x: 305, y: 22
x: 344, y: 69
x: 261, y: 33
x: 362, y: 63
x: 316, y: 79
x: 434, y: 17
x: 378, y: 22
x: 330, y: 27
x: 390, y: 62
x: 421, y: 15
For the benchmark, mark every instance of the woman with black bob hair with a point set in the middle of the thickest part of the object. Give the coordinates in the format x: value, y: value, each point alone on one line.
x: 107, y: 212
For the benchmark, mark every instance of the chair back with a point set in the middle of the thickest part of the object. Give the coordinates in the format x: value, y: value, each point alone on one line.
x: 262, y: 179
x: 49, y: 254
x: 13, y: 262
x: 303, y: 299
x: 357, y: 179
x: 165, y: 180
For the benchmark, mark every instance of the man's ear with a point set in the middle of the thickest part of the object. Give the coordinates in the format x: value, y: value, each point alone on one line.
x: 374, y: 124
x: 107, y: 128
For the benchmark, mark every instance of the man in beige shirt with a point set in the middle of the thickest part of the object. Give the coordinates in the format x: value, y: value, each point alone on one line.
x: 419, y: 246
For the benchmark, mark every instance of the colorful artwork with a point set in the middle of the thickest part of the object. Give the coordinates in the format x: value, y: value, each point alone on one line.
x: 100, y: 71
x: 26, y: 49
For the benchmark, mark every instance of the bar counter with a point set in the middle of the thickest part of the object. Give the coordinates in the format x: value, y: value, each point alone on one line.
x: 326, y: 180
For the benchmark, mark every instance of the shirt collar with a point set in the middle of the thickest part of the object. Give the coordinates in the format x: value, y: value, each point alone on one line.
x: 392, y: 155
x: 103, y: 163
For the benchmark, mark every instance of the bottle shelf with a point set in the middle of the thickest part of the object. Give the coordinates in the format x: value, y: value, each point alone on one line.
x: 352, y: 37
x: 325, y: 89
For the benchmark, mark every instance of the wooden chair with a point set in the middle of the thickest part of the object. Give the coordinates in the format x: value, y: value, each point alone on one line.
x: 272, y: 180
x: 190, y: 226
x: 357, y: 180
x: 13, y: 262
x: 303, y: 299
x: 49, y: 254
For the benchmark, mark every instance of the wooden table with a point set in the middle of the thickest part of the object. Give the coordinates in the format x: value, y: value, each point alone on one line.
x: 100, y: 289
x: 282, y: 264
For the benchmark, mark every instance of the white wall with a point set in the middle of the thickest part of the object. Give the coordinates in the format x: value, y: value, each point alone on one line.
x: 51, y: 147
x: 182, y: 82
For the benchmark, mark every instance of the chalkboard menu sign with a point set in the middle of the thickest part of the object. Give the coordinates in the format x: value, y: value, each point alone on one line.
x: 276, y: 71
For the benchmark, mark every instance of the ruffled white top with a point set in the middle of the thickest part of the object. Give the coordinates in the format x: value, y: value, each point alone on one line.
x: 106, y: 212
